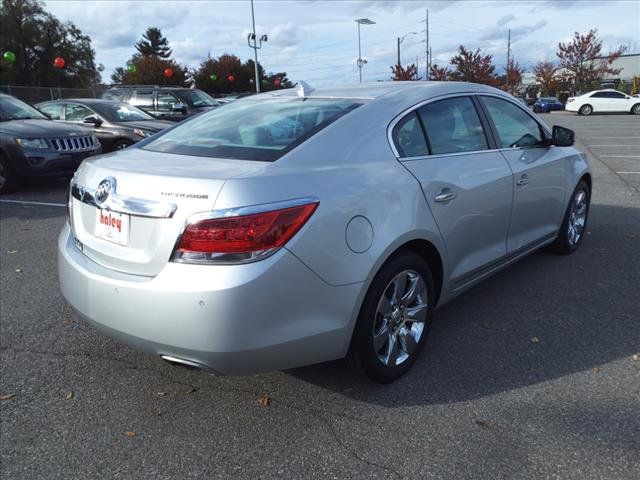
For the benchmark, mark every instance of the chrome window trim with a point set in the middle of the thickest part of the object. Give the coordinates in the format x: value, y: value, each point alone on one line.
x: 123, y: 204
x: 401, y: 115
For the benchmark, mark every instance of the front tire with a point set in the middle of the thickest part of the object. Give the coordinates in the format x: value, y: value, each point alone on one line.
x: 575, y: 221
x: 585, y: 110
x: 394, y: 319
x: 9, y: 181
x: 635, y: 110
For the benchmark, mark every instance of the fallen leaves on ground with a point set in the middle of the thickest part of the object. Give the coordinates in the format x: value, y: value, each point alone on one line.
x: 68, y: 321
x: 635, y: 357
x: 129, y: 434
x: 264, y: 400
x: 69, y: 395
x: 18, y: 270
x: 190, y: 390
x: 11, y: 252
x: 483, y: 424
x: 8, y: 396
x: 162, y: 394
x: 535, y: 339
x: 596, y: 369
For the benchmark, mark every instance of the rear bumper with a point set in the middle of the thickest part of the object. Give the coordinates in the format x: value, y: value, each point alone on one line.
x: 241, y: 319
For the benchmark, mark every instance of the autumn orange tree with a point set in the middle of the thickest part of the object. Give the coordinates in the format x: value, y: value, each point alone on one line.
x: 438, y: 73
x: 513, y: 76
x: 402, y: 73
x: 472, y: 66
x: 547, y: 76
x: 583, y: 62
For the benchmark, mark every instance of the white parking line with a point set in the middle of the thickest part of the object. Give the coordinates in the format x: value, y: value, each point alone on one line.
x: 612, y: 138
x: 620, y: 156
x: 629, y: 173
x: 614, y: 145
x: 28, y: 202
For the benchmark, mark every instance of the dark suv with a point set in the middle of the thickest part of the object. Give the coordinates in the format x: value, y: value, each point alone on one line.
x: 31, y: 145
x: 166, y: 103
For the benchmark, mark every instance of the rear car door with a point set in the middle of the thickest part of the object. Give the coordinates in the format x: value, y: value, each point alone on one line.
x: 467, y: 183
x: 144, y: 100
x: 165, y: 104
x: 599, y: 101
x: 539, y: 173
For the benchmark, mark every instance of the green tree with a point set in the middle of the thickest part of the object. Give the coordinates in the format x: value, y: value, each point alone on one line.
x: 37, y: 37
x: 154, y: 43
x: 150, y: 70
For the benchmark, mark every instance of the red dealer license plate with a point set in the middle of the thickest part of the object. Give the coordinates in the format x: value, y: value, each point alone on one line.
x: 112, y: 226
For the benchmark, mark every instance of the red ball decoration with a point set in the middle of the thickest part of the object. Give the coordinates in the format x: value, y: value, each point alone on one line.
x: 276, y: 83
x: 59, y: 62
x: 168, y: 72
x: 231, y: 77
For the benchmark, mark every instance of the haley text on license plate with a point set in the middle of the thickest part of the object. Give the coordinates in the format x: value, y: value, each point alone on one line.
x: 112, y: 226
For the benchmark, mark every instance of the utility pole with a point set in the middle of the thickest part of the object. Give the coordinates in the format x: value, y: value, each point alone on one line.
x: 361, y: 62
x: 426, y: 34
x: 430, y: 58
x: 508, y: 56
x: 398, y: 51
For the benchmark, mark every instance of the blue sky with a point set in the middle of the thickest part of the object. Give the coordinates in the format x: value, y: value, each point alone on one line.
x: 316, y: 40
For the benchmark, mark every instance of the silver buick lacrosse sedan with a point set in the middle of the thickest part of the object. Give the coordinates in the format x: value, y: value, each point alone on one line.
x: 303, y: 225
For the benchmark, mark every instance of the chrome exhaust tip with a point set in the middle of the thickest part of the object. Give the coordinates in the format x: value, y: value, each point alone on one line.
x: 181, y: 362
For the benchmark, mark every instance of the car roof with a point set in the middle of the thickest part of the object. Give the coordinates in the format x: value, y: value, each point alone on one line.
x: 372, y: 91
x: 88, y: 101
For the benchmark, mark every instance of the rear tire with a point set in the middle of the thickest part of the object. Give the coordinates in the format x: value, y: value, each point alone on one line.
x: 585, y: 110
x: 394, y: 319
x: 575, y: 221
x: 9, y: 180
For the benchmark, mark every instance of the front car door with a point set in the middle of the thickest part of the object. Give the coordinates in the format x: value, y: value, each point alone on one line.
x: 539, y: 173
x: 466, y: 182
x: 618, y: 102
x: 599, y: 101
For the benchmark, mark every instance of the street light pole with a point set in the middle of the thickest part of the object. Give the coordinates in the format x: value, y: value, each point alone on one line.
x: 256, y: 45
x: 361, y: 62
x: 400, y: 40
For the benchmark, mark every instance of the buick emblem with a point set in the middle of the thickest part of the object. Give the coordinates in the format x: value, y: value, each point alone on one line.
x: 105, y: 188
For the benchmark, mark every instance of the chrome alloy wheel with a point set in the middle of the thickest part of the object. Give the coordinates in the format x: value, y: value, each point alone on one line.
x: 400, y: 318
x: 577, y: 217
x: 636, y: 109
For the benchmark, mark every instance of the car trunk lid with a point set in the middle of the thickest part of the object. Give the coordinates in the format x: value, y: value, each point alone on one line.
x: 134, y: 228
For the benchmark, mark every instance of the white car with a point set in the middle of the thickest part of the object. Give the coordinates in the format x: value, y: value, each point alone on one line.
x: 598, y: 101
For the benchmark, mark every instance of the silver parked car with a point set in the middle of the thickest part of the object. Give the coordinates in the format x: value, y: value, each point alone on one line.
x: 302, y: 226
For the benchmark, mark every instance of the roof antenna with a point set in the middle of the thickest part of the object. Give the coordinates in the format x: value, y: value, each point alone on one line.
x: 304, y: 89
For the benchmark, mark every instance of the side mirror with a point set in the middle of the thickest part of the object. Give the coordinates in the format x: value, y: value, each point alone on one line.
x: 178, y: 107
x: 562, y: 137
x: 92, y: 119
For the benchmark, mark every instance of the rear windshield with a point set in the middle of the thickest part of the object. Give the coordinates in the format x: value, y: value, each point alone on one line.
x: 253, y: 128
x: 548, y: 99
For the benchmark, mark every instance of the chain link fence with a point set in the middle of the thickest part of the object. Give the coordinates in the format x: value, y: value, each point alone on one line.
x: 33, y: 95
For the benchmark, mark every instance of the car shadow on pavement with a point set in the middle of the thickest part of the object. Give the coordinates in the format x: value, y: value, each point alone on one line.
x: 544, y: 317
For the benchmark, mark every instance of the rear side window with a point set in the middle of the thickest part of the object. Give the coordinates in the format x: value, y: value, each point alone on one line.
x: 453, y: 126
x: 253, y: 129
x: 142, y: 99
x: 408, y: 137
x: 166, y: 101
x: 76, y: 113
x: 53, y: 110
x: 599, y: 95
x: 515, y: 127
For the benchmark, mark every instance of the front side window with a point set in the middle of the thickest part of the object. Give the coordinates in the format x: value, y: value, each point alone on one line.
x: 515, y: 128
x: 251, y: 129
x: 52, y: 110
x: 76, y: 113
x: 408, y: 137
x: 166, y: 101
x: 197, y: 98
x: 121, y: 112
x: 616, y: 95
x: 452, y: 126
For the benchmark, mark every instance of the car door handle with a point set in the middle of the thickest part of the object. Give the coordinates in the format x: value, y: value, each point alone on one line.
x: 445, y: 196
x: 524, y: 180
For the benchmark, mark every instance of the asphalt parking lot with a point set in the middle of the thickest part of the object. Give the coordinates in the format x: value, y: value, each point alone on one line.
x: 529, y: 375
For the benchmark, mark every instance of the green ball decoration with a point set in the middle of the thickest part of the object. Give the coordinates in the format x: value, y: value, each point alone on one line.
x: 264, y: 82
x: 9, y: 56
x: 132, y: 68
x: 213, y: 77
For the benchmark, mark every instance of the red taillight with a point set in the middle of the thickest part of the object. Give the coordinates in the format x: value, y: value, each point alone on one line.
x: 241, y: 238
